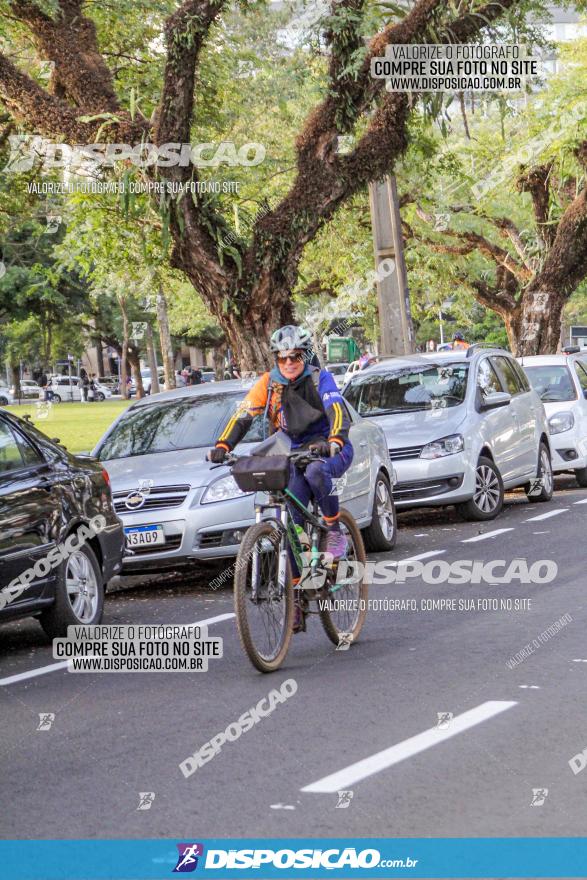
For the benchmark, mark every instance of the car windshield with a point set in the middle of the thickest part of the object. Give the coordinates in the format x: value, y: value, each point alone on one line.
x: 337, y: 369
x: 185, y: 423
x: 426, y: 386
x: 552, y: 382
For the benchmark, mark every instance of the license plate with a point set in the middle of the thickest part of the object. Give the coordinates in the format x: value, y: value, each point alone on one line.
x: 144, y: 536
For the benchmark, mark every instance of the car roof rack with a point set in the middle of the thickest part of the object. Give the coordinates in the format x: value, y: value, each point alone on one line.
x: 472, y: 349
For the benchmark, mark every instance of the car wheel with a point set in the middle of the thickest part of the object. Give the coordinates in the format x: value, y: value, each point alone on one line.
x: 56, y: 399
x: 79, y: 594
x: 487, y: 500
x: 3, y: 401
x: 544, y: 475
x: 100, y: 396
x: 381, y: 534
x: 581, y: 477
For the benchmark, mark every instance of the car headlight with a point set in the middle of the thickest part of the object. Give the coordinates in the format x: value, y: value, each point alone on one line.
x: 444, y: 446
x: 561, y: 421
x: 222, y: 490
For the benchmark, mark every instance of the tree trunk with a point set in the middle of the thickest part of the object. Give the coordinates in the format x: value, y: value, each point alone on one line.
x: 15, y: 370
x: 218, y: 354
x: 152, y: 361
x: 165, y: 339
x: 99, y: 357
x: 535, y: 326
x: 135, y: 364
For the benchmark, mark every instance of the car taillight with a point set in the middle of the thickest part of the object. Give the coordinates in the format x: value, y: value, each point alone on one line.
x: 106, y: 476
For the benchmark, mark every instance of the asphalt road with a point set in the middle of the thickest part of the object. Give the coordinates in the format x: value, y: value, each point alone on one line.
x: 513, y: 730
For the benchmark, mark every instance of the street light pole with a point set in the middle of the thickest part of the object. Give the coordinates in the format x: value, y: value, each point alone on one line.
x: 395, y: 318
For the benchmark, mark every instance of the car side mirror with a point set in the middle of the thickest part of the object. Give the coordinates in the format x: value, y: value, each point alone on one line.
x: 495, y: 400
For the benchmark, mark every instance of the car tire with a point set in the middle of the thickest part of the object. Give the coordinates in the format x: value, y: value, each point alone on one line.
x: 100, y: 397
x: 581, y: 477
x: 56, y: 398
x: 487, y: 501
x: 80, y: 571
x: 544, y: 466
x: 381, y: 534
x: 3, y: 401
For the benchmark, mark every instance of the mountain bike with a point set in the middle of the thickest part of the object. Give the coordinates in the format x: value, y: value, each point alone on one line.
x: 263, y: 590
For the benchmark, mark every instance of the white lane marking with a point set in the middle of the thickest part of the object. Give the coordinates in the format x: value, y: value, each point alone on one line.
x: 42, y: 670
x: 583, y: 501
x: 485, y: 536
x: 419, y: 556
x: 532, y: 687
x: 53, y: 667
x: 547, y: 515
x: 347, y: 777
x: 218, y: 619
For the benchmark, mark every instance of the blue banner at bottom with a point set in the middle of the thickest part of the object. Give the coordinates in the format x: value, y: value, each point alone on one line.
x: 528, y: 857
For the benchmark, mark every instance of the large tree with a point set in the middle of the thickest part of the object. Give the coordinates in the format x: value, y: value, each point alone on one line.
x: 247, y: 285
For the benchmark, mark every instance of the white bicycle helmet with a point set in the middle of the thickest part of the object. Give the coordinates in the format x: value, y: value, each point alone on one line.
x: 291, y: 337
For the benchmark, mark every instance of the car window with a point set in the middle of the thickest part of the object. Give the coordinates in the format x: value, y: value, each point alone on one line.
x: 422, y: 387
x: 521, y: 375
x: 582, y: 375
x: 10, y: 456
x: 487, y: 379
x: 29, y: 454
x: 552, y: 382
x: 508, y: 374
x: 184, y: 423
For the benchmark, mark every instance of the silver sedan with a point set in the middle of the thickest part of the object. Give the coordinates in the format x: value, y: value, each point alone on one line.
x: 176, y: 509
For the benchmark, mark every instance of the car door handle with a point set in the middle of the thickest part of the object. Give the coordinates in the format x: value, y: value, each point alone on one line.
x: 363, y: 443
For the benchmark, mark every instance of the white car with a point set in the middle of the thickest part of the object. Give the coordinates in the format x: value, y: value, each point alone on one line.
x: 6, y: 397
x: 29, y: 390
x: 64, y: 390
x: 561, y: 382
x: 461, y: 426
x: 338, y: 371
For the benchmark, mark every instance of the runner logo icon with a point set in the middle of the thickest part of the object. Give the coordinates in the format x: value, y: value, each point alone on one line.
x: 188, y: 857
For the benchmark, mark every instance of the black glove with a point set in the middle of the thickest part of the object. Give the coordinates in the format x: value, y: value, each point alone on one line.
x: 321, y: 448
x: 217, y: 454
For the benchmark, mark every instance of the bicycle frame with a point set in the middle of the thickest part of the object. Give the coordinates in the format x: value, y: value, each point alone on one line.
x: 289, y: 536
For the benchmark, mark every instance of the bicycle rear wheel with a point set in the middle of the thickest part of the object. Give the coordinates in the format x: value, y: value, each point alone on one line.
x: 345, y: 609
x: 265, y: 623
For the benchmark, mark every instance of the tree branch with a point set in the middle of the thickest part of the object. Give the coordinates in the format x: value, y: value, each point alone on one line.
x: 70, y: 42
x: 536, y: 182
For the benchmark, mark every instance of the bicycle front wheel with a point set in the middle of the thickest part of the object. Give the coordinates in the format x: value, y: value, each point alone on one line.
x: 343, y: 612
x: 264, y: 609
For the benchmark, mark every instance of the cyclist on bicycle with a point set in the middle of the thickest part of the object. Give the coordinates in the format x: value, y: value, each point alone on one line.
x: 303, y: 401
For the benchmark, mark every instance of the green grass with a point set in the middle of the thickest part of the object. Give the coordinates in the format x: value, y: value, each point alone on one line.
x: 77, y: 425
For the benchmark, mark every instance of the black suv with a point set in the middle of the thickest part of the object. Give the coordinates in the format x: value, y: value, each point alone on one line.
x: 60, y: 540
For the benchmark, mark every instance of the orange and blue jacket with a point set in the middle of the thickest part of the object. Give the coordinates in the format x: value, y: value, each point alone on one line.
x: 265, y: 398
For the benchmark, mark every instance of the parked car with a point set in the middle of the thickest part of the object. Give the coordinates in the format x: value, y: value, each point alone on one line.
x: 461, y: 428
x: 65, y: 390
x: 46, y: 494
x: 352, y: 368
x: 208, y: 374
x: 339, y: 373
x: 6, y: 396
x: 175, y: 508
x: 561, y: 382
x: 111, y: 382
x: 29, y: 390
x: 147, y: 381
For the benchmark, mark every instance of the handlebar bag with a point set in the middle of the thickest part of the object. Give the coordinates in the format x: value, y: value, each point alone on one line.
x: 261, y: 473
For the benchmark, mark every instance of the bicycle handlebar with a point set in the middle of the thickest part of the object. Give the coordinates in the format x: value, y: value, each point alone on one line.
x: 298, y: 456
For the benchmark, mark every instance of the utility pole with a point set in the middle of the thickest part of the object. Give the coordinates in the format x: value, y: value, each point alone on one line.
x: 395, y: 318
